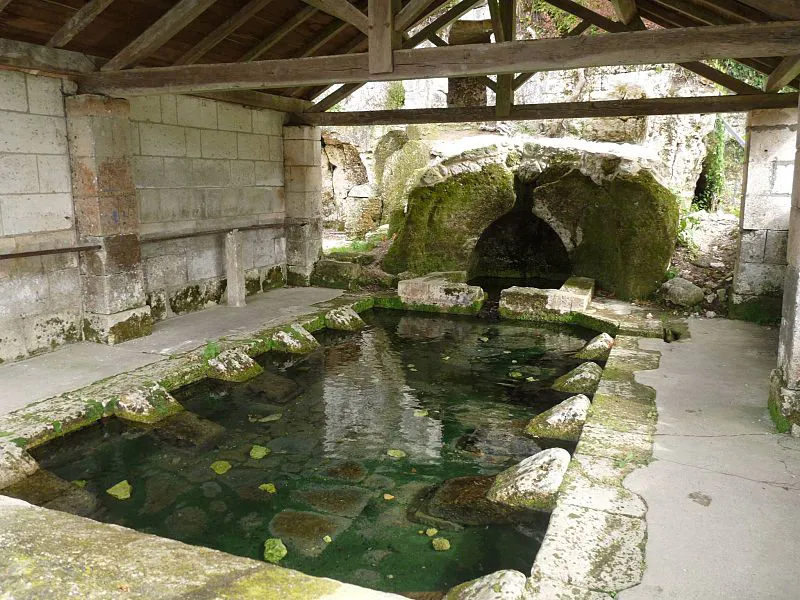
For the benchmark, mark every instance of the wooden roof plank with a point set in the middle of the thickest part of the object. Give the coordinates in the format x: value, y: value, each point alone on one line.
x: 242, y: 16
x: 344, y: 11
x: 562, y: 110
x: 281, y: 32
x: 633, y: 48
x: 158, y: 34
x: 784, y: 74
x: 79, y: 21
x: 789, y: 9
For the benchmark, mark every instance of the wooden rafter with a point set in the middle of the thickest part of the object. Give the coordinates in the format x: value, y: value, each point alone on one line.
x: 784, y: 74
x: 259, y: 100
x: 735, y: 11
x: 281, y: 32
x: 4, y: 3
x: 411, y: 13
x: 522, y: 78
x: 242, y: 16
x: 632, y: 48
x: 789, y: 9
x: 158, y: 34
x: 344, y: 11
x: 699, y: 68
x: 79, y: 21
x: 626, y: 10
x: 561, y: 110
x: 438, y: 41
x: 703, y: 14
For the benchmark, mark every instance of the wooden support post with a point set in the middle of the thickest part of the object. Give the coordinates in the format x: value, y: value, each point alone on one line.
x: 504, y: 99
x: 383, y: 39
x: 626, y: 10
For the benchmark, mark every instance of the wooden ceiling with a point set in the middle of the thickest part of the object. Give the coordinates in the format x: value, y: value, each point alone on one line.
x: 135, y: 33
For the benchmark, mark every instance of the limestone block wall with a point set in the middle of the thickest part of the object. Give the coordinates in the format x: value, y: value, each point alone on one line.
x: 40, y: 297
x: 766, y: 202
x: 203, y: 166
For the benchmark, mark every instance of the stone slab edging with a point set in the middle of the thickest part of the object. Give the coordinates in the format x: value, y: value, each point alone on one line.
x: 51, y: 554
x: 44, y: 420
x: 595, y: 543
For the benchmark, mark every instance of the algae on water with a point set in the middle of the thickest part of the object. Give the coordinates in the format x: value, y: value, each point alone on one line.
x: 274, y: 550
x: 120, y: 491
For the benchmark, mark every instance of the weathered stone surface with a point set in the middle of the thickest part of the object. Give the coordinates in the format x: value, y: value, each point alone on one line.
x: 592, y: 549
x: 598, y: 348
x: 294, y: 340
x: 346, y: 501
x: 534, y: 304
x: 682, y: 292
x: 336, y: 274
x: 463, y: 501
x: 233, y: 365
x: 597, y: 483
x: 49, y: 547
x: 500, y: 585
x: 446, y: 291
x: 15, y: 464
x: 583, y: 379
x: 543, y: 588
x: 343, y: 319
x: 303, y: 532
x: 533, y: 483
x: 562, y: 422
x: 146, y: 404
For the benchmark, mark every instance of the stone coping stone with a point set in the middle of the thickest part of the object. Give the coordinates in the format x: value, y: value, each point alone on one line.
x: 50, y: 554
x: 594, y: 545
x: 530, y: 303
x: 445, y: 291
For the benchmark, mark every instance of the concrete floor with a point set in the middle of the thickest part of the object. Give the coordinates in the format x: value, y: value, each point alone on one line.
x: 78, y: 365
x: 724, y: 490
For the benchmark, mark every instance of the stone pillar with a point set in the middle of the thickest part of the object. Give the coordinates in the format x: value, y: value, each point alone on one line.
x: 784, y: 397
x: 764, y: 222
x: 106, y: 213
x: 468, y: 91
x: 302, y: 147
x: 234, y: 269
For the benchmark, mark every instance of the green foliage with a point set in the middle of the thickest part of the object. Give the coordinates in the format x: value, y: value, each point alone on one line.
x: 57, y: 427
x: 395, y: 96
x: 353, y: 246
x: 671, y: 273
x: 740, y: 71
x: 211, y: 350
x: 687, y: 225
x: 548, y: 16
x: 710, y: 192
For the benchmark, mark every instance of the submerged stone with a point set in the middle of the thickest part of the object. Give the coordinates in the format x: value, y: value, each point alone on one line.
x: 499, y: 443
x: 274, y: 550
x: 343, y: 318
x: 533, y: 483
x: 348, y: 471
x: 146, y: 404
x: 162, y: 490
x: 121, y: 490
x: 187, y: 522
x: 346, y: 501
x: 38, y: 488
x: 501, y: 585
x: 186, y: 429
x: 583, y: 379
x: 463, y: 501
x: 598, y: 348
x: 273, y: 388
x: 562, y: 422
x: 304, y: 532
x: 15, y: 464
x: 233, y: 365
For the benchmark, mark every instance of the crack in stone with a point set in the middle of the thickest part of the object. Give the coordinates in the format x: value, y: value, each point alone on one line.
x: 784, y: 486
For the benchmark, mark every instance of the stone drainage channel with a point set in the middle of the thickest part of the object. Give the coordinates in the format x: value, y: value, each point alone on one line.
x: 594, y: 546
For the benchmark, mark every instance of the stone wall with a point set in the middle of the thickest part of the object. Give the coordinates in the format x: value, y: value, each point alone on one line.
x: 199, y: 166
x: 766, y: 202
x: 40, y: 297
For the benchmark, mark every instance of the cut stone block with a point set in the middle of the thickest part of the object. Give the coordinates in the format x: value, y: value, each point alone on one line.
x: 119, y: 327
x: 597, y: 348
x: 445, y: 291
x: 343, y: 319
x: 583, y: 379
x: 532, y: 304
x: 233, y: 365
x: 533, y: 483
x: 304, y: 532
x: 294, y: 339
x: 15, y: 464
x: 500, y: 585
x: 562, y: 422
x: 146, y: 404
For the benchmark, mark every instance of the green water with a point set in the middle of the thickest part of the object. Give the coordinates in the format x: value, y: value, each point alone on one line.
x: 451, y: 393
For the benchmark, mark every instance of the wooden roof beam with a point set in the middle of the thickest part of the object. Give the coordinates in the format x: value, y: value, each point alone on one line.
x: 208, y: 43
x: 4, y: 3
x: 561, y: 110
x: 710, y: 73
x: 281, y: 32
x: 158, y: 34
x: 79, y: 21
x: 344, y: 11
x: 789, y: 9
x: 410, y: 14
x: 632, y: 48
x: 784, y: 74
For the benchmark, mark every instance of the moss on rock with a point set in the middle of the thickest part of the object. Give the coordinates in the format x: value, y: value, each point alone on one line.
x: 444, y: 221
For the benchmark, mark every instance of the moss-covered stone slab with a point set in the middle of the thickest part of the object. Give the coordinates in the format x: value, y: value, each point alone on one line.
x: 343, y: 319
x: 583, y: 379
x: 340, y: 274
x: 46, y: 552
x: 463, y: 501
x: 598, y: 348
x: 233, y: 365
x: 445, y: 290
x: 544, y: 588
x: 562, y: 422
x: 15, y: 464
x: 500, y: 585
x: 598, y: 440
x: 532, y: 484
x: 304, y: 532
x: 547, y: 305
x: 594, y: 549
x: 294, y: 340
x: 147, y: 403
x: 582, y: 488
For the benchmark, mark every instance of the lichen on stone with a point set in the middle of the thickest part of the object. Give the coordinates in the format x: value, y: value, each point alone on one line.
x: 343, y: 318
x: 147, y: 403
x: 562, y: 422
x: 294, y: 340
x: 533, y: 483
x: 233, y: 365
x: 583, y: 379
